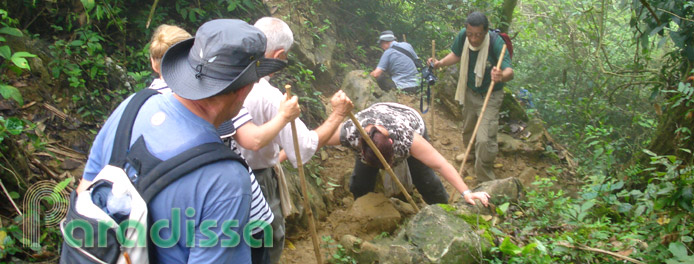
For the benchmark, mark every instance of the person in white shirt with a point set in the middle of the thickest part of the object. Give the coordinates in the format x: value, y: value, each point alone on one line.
x: 263, y: 103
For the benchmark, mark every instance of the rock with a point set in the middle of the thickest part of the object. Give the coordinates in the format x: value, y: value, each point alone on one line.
x: 402, y: 171
x: 347, y: 201
x: 528, y: 174
x: 511, y: 106
x: 363, y: 251
x: 444, y: 237
x: 70, y: 164
x: 470, y: 157
x: 536, y: 129
x: 501, y: 191
x: 455, y: 233
x: 376, y: 212
x: 323, y: 154
x: 403, y: 207
x: 297, y: 216
x: 432, y: 236
x: 6, y: 105
x: 363, y: 90
x: 508, y: 144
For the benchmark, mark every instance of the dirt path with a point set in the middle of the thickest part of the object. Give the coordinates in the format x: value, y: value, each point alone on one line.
x: 447, y: 139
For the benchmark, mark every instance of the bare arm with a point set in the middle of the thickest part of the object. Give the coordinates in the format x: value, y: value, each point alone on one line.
x: 328, y: 132
x: 342, y: 106
x: 425, y: 152
x: 376, y: 73
x: 253, y: 137
x: 84, y: 184
x: 334, y: 139
x: 450, y: 59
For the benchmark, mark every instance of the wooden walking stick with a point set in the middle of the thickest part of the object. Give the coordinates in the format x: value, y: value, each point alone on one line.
x: 454, y: 195
x: 433, y: 102
x: 383, y: 160
x: 304, y: 188
x: 404, y: 38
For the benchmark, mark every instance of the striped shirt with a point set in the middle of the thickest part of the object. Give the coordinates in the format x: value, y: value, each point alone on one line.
x: 260, y: 210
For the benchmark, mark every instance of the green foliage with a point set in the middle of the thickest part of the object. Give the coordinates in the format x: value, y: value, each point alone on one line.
x: 10, y: 127
x: 665, y: 17
x: 18, y: 59
x: 655, y: 220
x: 531, y: 253
x: 338, y: 253
x: 612, y: 96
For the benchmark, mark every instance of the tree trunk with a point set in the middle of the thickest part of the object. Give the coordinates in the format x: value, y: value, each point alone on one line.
x: 506, y: 15
x: 668, y: 140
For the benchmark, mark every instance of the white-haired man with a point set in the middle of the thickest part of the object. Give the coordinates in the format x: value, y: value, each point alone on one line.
x: 262, y: 104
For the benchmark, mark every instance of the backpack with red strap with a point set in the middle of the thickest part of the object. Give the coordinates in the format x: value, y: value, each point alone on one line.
x: 497, y: 33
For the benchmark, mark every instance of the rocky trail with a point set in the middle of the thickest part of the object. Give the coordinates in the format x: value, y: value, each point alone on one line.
x: 373, y: 216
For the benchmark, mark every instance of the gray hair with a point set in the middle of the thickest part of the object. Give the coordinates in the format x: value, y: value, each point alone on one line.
x: 277, y: 32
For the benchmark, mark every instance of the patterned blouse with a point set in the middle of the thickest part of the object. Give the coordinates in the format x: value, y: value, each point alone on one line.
x: 401, y: 122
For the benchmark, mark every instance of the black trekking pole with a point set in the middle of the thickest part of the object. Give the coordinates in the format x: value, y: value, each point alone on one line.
x: 433, y: 102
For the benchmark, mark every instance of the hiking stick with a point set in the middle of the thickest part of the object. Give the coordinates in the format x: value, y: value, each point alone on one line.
x: 383, y: 160
x: 433, y: 102
x: 404, y: 38
x: 304, y: 188
x: 454, y: 196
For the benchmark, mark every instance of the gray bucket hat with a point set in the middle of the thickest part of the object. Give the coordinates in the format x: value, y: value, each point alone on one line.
x: 225, y: 55
x: 386, y: 36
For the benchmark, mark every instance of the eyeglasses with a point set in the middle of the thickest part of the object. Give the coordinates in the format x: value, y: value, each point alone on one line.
x: 477, y: 35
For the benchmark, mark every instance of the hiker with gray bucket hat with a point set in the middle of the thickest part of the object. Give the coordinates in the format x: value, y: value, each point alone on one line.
x: 199, y: 216
x: 398, y: 63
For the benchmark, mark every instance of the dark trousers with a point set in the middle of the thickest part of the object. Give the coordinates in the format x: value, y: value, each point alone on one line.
x: 260, y: 255
x: 427, y: 183
x: 267, y: 179
x: 385, y: 82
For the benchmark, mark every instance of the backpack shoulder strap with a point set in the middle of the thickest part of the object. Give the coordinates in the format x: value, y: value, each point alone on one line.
x: 407, y: 53
x: 176, y: 167
x: 121, y: 143
x: 493, y: 35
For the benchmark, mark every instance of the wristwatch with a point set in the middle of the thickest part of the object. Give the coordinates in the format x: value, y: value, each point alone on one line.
x: 466, y: 192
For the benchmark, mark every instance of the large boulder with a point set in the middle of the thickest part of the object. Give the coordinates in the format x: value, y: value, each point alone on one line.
x: 375, y: 213
x: 364, y: 91
x: 456, y: 233
x: 434, y: 235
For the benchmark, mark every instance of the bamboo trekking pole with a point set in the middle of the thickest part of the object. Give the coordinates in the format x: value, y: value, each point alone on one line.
x: 383, y: 160
x: 433, y: 102
x: 454, y: 195
x: 304, y: 188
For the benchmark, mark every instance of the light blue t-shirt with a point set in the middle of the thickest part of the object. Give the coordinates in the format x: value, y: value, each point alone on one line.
x: 402, y: 70
x: 218, y: 194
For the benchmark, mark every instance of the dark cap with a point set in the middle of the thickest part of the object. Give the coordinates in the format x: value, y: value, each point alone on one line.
x: 225, y: 55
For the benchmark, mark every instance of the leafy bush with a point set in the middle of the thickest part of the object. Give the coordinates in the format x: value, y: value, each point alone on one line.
x: 18, y: 59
